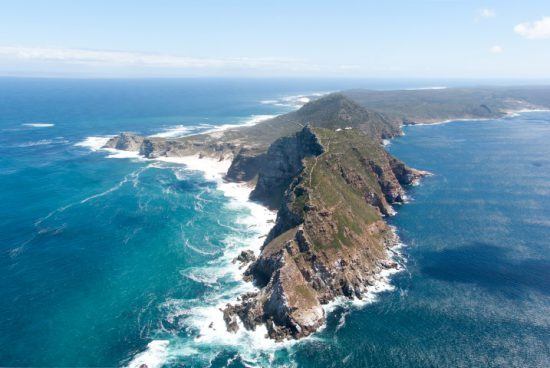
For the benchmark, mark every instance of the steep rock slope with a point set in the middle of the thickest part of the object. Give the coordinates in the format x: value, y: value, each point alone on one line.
x: 332, y: 183
x: 334, y: 111
x: 282, y: 162
x: 329, y: 239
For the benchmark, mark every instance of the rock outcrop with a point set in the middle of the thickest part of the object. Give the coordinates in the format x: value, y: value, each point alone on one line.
x: 155, y: 147
x: 246, y: 165
x: 125, y: 141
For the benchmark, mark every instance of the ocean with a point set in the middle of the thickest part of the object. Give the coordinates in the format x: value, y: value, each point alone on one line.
x: 108, y: 259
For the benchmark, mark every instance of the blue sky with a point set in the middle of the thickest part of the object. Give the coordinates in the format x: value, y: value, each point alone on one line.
x: 424, y: 38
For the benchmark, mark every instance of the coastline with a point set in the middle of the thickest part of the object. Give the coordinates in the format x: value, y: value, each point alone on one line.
x: 163, y: 237
x: 506, y: 114
x: 209, y: 319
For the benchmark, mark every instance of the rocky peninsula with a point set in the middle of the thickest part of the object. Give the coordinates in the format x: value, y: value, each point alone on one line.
x: 324, y: 169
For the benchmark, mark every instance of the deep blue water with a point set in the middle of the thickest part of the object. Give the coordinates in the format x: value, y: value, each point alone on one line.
x: 99, y: 257
x: 476, y: 290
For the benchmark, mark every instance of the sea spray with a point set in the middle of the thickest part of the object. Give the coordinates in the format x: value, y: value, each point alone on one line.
x: 206, y: 319
x: 178, y: 131
x: 205, y: 316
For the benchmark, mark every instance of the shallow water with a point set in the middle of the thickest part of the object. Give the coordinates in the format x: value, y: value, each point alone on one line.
x: 102, y: 257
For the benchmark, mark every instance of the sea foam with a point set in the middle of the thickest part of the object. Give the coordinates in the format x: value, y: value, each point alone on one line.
x: 94, y: 143
x: 294, y: 101
x: 154, y: 356
x: 39, y: 125
x: 178, y: 131
x: 205, y: 316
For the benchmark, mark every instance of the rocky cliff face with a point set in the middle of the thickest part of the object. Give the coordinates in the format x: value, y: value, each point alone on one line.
x: 282, y: 162
x: 329, y: 239
x: 246, y: 165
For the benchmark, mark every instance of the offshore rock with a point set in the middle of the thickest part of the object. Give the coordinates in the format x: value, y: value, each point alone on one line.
x: 125, y: 141
x: 245, y: 257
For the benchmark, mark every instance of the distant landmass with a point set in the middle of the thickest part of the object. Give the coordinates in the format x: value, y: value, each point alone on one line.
x: 324, y: 168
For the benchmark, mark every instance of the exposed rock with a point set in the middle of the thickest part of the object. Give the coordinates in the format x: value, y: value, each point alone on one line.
x: 281, y: 163
x: 404, y: 174
x: 125, y: 141
x: 246, y: 165
x: 245, y: 257
x: 388, y: 264
x: 331, y: 182
x: 230, y: 319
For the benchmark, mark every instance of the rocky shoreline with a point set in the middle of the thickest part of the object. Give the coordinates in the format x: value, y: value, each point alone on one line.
x: 332, y: 188
x: 319, y: 250
x: 325, y: 171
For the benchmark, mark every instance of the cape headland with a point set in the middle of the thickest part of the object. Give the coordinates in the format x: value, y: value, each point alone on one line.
x: 324, y: 169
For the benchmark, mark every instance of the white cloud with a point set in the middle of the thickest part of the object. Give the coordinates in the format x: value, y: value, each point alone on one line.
x: 486, y: 13
x: 539, y: 29
x: 138, y: 59
x: 496, y: 49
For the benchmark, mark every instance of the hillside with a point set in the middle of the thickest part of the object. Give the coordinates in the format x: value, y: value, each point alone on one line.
x: 428, y: 106
x: 331, y: 111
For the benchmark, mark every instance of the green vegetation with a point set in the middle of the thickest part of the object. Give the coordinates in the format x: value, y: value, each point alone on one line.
x: 306, y: 293
x: 333, y: 198
x: 452, y: 103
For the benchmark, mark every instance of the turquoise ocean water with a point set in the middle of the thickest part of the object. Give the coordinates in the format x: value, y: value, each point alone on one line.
x: 110, y: 261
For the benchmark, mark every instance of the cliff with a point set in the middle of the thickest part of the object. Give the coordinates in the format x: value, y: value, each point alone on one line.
x: 329, y: 239
x: 280, y: 165
x: 332, y: 188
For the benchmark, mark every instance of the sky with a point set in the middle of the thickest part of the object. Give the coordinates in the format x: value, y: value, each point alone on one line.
x: 236, y: 38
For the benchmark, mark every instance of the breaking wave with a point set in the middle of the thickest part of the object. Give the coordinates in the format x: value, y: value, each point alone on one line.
x: 38, y: 125
x: 180, y: 130
x: 294, y: 101
x: 42, y: 142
